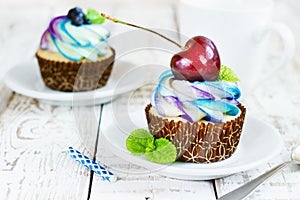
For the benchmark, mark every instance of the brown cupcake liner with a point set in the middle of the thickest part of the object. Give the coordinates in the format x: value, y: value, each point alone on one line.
x: 75, y: 76
x: 198, y: 142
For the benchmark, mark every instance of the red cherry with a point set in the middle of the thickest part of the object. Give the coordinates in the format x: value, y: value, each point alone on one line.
x: 200, y: 61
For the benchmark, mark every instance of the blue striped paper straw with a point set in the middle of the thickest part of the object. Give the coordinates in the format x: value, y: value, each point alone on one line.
x: 92, y: 165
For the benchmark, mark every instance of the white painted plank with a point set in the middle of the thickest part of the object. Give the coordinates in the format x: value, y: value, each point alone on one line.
x: 275, y: 102
x: 135, y: 182
x: 146, y: 50
x: 284, y: 117
x: 34, y: 138
x: 5, y: 93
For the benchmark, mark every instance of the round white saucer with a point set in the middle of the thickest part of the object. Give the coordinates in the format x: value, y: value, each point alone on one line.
x: 259, y: 143
x: 26, y: 80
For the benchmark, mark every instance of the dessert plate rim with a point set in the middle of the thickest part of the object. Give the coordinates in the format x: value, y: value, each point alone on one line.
x: 251, y: 152
x: 25, y: 79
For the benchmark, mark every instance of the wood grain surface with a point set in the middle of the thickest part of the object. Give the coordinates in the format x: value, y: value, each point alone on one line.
x: 34, y: 137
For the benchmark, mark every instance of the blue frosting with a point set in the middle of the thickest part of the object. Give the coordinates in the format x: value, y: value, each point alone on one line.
x: 194, y: 101
x: 75, y: 42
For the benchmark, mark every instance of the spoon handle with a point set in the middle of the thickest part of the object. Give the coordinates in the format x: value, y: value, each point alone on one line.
x: 249, y: 187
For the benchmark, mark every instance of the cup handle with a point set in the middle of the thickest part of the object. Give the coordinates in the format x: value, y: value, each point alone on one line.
x: 288, y: 43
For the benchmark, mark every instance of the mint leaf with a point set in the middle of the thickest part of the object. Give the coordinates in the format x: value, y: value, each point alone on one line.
x: 140, y: 141
x: 227, y: 74
x: 94, y: 16
x: 164, y: 152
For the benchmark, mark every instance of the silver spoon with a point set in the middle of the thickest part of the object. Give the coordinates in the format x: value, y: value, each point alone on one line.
x: 245, y: 190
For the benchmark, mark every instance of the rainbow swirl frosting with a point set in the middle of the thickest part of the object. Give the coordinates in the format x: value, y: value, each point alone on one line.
x: 194, y: 101
x: 75, y: 42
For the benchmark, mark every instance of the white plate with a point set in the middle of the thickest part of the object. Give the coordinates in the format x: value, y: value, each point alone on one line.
x: 259, y: 143
x: 26, y: 80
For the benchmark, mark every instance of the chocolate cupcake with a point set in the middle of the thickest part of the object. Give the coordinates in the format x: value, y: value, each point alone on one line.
x: 73, y: 53
x: 203, y: 119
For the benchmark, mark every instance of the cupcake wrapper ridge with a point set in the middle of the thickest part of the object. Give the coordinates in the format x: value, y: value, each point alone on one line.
x: 198, y: 142
x: 75, y: 76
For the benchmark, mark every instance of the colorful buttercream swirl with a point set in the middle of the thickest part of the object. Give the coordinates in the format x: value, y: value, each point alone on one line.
x: 75, y: 42
x: 195, y: 101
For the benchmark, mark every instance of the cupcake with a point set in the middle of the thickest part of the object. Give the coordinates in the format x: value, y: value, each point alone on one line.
x: 194, y: 113
x: 73, y: 54
x: 195, y: 105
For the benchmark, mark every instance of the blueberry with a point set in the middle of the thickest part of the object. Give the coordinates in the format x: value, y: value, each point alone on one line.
x: 78, y: 10
x: 77, y: 17
x: 81, y: 14
x: 86, y: 20
x: 77, y: 21
x: 75, y: 12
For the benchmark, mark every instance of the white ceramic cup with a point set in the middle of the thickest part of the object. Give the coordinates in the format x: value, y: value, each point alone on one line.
x: 241, y: 31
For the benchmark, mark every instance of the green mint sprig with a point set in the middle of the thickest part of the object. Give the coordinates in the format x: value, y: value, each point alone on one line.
x: 139, y: 142
x: 227, y: 74
x: 160, y: 150
x: 94, y: 16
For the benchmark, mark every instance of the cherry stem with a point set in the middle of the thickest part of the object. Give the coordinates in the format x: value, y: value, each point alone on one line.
x: 140, y: 27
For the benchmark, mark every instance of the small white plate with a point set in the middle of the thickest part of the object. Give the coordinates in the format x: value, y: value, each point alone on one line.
x: 26, y: 80
x: 259, y: 143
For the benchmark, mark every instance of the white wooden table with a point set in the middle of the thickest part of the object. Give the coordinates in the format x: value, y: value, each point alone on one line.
x: 34, y: 136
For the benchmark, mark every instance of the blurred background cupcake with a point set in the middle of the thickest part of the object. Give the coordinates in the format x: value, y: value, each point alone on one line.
x: 73, y: 54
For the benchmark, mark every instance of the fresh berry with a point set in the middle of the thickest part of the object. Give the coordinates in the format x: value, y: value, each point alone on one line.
x: 77, y: 16
x: 74, y: 12
x: 77, y: 21
x: 200, y: 61
x: 86, y: 21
